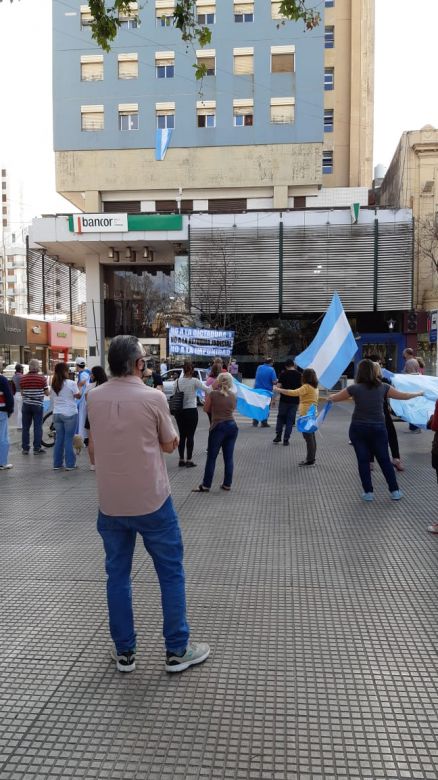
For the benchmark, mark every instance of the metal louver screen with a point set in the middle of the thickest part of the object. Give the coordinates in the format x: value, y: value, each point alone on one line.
x: 234, y: 269
x: 62, y: 287
x: 394, y: 290
x: 122, y: 207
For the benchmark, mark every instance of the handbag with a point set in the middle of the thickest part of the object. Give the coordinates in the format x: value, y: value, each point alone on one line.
x: 176, y: 400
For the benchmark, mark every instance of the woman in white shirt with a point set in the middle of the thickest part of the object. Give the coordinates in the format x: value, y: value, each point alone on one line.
x: 65, y: 417
x: 187, y: 418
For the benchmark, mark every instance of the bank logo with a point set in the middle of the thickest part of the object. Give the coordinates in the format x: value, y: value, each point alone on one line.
x: 100, y: 223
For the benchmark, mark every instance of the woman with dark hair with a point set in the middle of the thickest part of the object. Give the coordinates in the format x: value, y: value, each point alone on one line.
x: 187, y: 417
x: 98, y: 377
x: 65, y: 417
x: 308, y: 394
x: 368, y: 432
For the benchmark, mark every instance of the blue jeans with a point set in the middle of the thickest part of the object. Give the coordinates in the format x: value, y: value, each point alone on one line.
x: 32, y: 413
x: 368, y: 440
x: 162, y: 539
x: 286, y: 419
x: 4, y: 438
x: 65, y: 428
x: 223, y: 435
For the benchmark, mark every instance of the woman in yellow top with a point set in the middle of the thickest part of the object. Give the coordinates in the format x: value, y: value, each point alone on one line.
x: 308, y: 395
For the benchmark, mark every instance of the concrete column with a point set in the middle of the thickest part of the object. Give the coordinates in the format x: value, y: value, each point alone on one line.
x: 92, y: 202
x: 95, y: 311
x: 280, y: 196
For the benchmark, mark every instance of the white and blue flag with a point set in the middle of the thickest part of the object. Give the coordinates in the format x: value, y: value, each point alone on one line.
x: 333, y: 347
x: 417, y: 411
x: 252, y: 403
x: 162, y: 141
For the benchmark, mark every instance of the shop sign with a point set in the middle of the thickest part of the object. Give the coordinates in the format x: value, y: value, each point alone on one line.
x: 100, y: 223
x: 37, y: 332
x: 433, y: 327
x: 12, y: 330
x: 60, y: 334
x: 121, y: 223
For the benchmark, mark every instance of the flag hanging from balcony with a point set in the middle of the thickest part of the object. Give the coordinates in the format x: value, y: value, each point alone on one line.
x: 162, y: 141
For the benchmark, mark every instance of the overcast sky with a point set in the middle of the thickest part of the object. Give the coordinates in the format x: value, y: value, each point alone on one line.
x: 405, y: 97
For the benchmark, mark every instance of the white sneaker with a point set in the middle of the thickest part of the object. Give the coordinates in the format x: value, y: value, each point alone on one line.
x: 92, y: 468
x: 196, y: 653
x: 7, y: 466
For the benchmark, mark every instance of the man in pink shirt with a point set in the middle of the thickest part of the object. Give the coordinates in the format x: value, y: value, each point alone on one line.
x: 132, y: 428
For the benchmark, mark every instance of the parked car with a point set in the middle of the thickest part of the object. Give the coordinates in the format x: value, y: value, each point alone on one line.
x: 9, y: 371
x: 174, y: 373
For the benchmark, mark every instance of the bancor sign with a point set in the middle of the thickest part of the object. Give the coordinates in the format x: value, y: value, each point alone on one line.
x: 100, y: 223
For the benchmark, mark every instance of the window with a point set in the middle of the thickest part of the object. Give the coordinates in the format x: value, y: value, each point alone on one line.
x: 3, y: 173
x: 165, y: 64
x: 206, y: 12
x: 299, y: 202
x: 275, y: 9
x: 129, y: 21
x: 92, y: 118
x: 243, y: 12
x: 128, y: 116
x: 91, y: 67
x: 3, y: 185
x: 329, y: 79
x: 128, y: 66
x: 86, y: 17
x: 206, y: 113
x: 243, y: 113
x: 282, y: 110
x: 329, y: 37
x: 164, y: 10
x: 165, y: 114
x: 282, y: 59
x: 327, y: 162
x: 328, y: 120
x: 329, y: 3
x: 207, y: 57
x: 243, y: 61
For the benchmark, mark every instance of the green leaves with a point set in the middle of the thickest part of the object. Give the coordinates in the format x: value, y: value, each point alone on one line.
x: 297, y: 10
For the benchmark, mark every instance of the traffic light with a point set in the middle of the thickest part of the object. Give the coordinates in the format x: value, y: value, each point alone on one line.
x: 412, y: 322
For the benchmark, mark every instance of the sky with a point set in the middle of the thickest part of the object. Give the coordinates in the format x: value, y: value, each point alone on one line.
x: 405, y: 98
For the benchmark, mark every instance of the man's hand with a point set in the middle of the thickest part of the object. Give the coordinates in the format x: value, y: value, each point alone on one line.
x: 169, y: 446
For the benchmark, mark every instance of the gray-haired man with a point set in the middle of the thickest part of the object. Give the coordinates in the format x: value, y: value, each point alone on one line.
x: 34, y: 387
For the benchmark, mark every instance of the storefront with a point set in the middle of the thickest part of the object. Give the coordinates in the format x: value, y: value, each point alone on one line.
x: 12, y: 339
x: 79, y: 342
x: 60, y: 343
x: 37, y: 343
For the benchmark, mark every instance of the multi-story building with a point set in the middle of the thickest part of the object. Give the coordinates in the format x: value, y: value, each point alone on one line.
x: 13, y: 289
x: 281, y: 122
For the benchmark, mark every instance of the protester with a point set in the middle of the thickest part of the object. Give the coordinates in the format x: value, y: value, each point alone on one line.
x: 214, y: 373
x: 368, y: 430
x: 6, y: 409
x: 34, y: 387
x: 220, y: 405
x: 63, y: 393
x: 98, y: 377
x: 187, y: 417
x: 83, y: 381
x: 234, y: 368
x: 163, y: 367
x: 18, y: 399
x: 132, y: 427
x: 153, y: 377
x: 289, y: 379
x: 433, y: 425
x: 308, y: 395
x: 265, y: 379
x: 412, y: 366
x: 389, y: 423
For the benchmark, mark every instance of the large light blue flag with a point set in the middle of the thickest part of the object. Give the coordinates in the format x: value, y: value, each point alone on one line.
x: 162, y: 141
x: 252, y: 403
x: 333, y: 347
x: 418, y: 410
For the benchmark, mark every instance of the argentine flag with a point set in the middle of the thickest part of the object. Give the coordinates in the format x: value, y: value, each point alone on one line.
x: 252, y: 403
x: 162, y: 141
x: 333, y: 347
x: 418, y: 410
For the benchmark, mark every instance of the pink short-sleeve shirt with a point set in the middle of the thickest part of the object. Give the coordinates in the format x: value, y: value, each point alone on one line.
x: 128, y: 421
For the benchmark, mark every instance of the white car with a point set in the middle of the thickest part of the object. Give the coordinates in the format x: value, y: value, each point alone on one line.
x: 174, y: 373
x: 9, y: 371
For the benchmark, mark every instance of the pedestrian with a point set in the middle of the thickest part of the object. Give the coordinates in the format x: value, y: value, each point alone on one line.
x: 220, y: 405
x: 98, y: 377
x: 308, y: 396
x: 6, y: 409
x: 34, y: 387
x: 132, y: 428
x: 367, y: 429
x: 213, y: 375
x: 412, y: 366
x: 421, y: 365
x: 187, y: 417
x: 389, y: 423
x: 234, y: 368
x: 433, y: 425
x: 153, y: 377
x: 18, y: 399
x: 265, y: 379
x: 289, y: 379
x: 83, y: 380
x: 163, y: 367
x: 63, y: 393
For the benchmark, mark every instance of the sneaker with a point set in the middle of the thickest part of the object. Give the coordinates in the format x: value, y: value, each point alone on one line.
x: 58, y: 468
x: 125, y: 661
x: 182, y: 463
x: 307, y: 463
x: 255, y: 423
x: 433, y: 528
x: 39, y: 452
x: 265, y: 425
x: 368, y: 496
x: 25, y: 452
x: 286, y: 443
x: 190, y: 464
x: 6, y: 466
x: 70, y: 468
x: 196, y: 653
x: 92, y: 468
x: 396, y: 495
x: 277, y: 440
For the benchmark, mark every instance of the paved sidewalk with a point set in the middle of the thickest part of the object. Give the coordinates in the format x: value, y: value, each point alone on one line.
x: 320, y: 610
